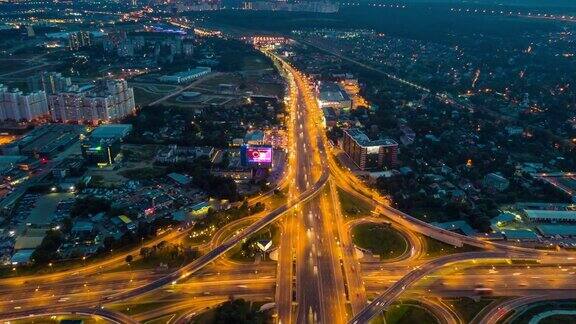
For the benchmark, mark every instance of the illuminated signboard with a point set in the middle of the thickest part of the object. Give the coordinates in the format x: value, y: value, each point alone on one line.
x: 373, y: 149
x: 259, y: 154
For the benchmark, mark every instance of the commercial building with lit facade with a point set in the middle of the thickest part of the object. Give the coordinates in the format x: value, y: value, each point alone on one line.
x: 104, y: 144
x: 332, y: 95
x: 100, y: 152
x: 368, y: 154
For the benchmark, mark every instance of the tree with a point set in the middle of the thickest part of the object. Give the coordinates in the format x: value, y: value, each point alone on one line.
x: 129, y: 258
x: 108, y: 243
x: 89, y: 206
x: 238, y: 311
x: 258, y: 207
x: 47, y: 250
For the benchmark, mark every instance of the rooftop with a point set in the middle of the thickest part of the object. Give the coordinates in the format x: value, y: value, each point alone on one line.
x: 457, y: 225
x: 553, y: 230
x: 82, y: 226
x: 330, y: 92
x: 125, y: 219
x: 201, y: 205
x: 22, y: 256
x: 363, y: 139
x: 552, y: 215
x: 111, y: 131
x: 255, y: 135
x: 28, y: 242
x: 179, y: 178
x: 519, y: 235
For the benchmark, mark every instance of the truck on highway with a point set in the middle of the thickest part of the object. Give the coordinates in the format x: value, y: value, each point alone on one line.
x: 483, y: 291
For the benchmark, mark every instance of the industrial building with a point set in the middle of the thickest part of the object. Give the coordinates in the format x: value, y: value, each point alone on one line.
x: 368, y: 154
x: 45, y: 141
x: 553, y: 216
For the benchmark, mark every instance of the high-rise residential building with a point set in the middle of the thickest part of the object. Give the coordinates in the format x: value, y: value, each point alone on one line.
x: 78, y: 40
x: 188, y: 47
x: 15, y: 105
x: 30, y: 31
x: 109, y: 100
x: 368, y: 154
x: 49, y: 82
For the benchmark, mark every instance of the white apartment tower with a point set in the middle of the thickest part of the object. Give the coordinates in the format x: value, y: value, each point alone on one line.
x: 109, y: 100
x: 14, y: 105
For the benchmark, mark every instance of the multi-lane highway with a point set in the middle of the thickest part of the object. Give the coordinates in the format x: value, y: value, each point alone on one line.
x: 319, y: 287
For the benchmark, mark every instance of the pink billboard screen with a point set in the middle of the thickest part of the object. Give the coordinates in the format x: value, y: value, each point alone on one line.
x: 259, y: 154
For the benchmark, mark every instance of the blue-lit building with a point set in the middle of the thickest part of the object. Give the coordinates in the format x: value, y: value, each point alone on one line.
x: 102, y: 146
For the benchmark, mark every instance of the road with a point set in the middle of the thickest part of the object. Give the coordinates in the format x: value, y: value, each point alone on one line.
x: 499, y: 311
x: 109, y: 316
x: 356, y: 291
x: 320, y: 286
x: 285, y: 282
x: 383, y: 301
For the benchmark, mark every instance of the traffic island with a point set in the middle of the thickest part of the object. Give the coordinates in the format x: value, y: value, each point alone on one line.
x: 381, y: 240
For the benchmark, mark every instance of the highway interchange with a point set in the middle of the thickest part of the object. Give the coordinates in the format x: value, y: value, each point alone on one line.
x: 317, y: 277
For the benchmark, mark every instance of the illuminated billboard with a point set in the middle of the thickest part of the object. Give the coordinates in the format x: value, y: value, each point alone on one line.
x: 259, y: 154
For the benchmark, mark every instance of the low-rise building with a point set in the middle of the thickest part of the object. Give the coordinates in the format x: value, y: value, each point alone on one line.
x: 520, y: 235
x: 255, y: 137
x: 45, y: 141
x: 495, y: 181
x: 555, y: 230
x: 332, y: 95
x: 180, y: 179
x: 554, y: 216
x: 186, y: 76
x: 200, y: 209
x: 22, y: 257
x: 116, y: 131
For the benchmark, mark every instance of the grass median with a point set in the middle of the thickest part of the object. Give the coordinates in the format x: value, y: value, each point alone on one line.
x: 353, y: 207
x: 380, y: 239
x: 405, y: 314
